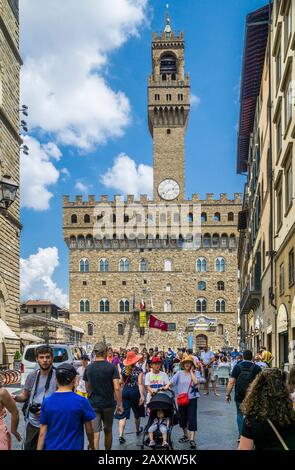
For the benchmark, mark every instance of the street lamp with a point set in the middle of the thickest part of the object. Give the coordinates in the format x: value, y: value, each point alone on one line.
x: 8, y: 190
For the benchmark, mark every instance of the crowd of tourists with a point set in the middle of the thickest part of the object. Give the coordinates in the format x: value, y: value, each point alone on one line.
x: 61, y: 404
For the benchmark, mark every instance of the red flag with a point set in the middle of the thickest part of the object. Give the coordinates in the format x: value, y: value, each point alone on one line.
x: 159, y: 324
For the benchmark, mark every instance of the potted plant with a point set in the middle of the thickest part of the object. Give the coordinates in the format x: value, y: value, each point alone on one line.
x: 17, y: 360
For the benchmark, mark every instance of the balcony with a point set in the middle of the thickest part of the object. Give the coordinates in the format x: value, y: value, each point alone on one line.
x: 251, y: 299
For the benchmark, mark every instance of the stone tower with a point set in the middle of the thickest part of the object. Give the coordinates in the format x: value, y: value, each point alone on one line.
x: 168, y: 110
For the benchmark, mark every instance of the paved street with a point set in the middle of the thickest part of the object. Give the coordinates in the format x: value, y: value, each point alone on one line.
x: 216, y: 422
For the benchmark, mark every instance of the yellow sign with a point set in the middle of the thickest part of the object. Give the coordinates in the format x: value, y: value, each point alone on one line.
x: 142, y: 319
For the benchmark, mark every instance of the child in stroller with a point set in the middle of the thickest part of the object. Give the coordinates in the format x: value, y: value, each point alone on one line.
x: 162, y: 418
x: 159, y: 424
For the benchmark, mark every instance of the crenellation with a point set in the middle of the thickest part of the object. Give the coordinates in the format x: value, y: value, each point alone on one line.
x: 79, y: 199
x: 91, y: 199
x: 104, y: 198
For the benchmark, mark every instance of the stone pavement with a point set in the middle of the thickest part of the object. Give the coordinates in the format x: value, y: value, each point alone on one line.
x: 216, y: 424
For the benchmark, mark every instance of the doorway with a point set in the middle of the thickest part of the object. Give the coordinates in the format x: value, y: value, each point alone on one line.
x: 201, y: 342
x: 283, y: 348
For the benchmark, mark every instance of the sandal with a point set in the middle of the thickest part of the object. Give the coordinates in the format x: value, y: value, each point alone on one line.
x: 192, y: 444
x: 122, y: 440
x: 184, y: 439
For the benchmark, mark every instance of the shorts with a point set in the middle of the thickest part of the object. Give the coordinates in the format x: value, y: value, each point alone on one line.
x: 130, y: 398
x: 210, y: 375
x: 104, y: 416
x: 154, y: 427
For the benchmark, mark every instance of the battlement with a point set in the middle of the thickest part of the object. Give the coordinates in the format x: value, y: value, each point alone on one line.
x: 144, y: 200
x: 174, y: 37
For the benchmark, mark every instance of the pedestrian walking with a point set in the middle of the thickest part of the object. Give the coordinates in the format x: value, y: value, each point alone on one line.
x: 208, y: 359
x: 186, y: 383
x: 266, y: 356
x: 269, y: 422
x: 81, y: 388
x: 39, y: 385
x: 102, y: 381
x: 156, y: 379
x: 7, y: 404
x: 132, y: 394
x: 241, y: 377
x: 64, y: 415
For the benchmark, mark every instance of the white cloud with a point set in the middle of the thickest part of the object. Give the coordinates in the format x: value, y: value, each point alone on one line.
x: 128, y: 178
x: 36, y: 277
x: 195, y: 100
x: 37, y: 173
x: 84, y: 188
x: 65, y: 47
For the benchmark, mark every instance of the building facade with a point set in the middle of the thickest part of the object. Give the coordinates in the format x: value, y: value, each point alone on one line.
x: 175, y: 256
x: 10, y: 227
x: 266, y: 156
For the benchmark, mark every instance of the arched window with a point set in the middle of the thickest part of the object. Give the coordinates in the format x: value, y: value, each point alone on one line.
x: 73, y: 242
x: 232, y: 241
x: 126, y: 218
x: 74, y: 219
x: 163, y: 218
x: 220, y: 329
x: 190, y: 218
x: 216, y: 217
x: 230, y: 216
x: 202, y: 285
x: 224, y: 240
x: 143, y: 265
x: 220, y: 285
x: 86, y: 219
x: 168, y: 64
x: 138, y: 218
x: 201, y: 265
x: 104, y: 305
x: 90, y: 329
x: 220, y: 305
x: 124, y: 265
x: 103, y: 265
x: 149, y: 218
x: 168, y: 287
x: 81, y: 241
x: 220, y: 265
x: 167, y: 265
x: 84, y: 265
x: 89, y: 241
x: 120, y: 329
x: 207, y: 240
x: 203, y: 217
x: 201, y: 305
x: 84, y: 305
x: 168, y: 306
x: 176, y: 217
x: 124, y: 305
x: 215, y: 240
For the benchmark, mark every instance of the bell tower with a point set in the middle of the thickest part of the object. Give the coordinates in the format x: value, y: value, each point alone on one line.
x: 168, y: 110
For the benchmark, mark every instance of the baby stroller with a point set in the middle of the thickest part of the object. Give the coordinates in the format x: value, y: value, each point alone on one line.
x: 161, y: 401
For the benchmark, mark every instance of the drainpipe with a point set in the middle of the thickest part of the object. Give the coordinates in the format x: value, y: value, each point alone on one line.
x: 271, y: 176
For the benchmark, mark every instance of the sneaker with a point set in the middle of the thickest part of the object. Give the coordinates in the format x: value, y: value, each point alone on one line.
x: 122, y: 440
x: 140, y: 431
x: 183, y: 439
x: 192, y: 444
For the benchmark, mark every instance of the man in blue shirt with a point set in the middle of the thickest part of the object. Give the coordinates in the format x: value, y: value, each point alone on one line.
x: 64, y: 415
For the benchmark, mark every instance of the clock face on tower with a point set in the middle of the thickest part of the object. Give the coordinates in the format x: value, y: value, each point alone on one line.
x: 168, y: 189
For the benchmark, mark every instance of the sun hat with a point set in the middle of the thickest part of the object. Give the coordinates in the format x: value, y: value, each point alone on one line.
x: 131, y: 358
x: 156, y: 360
x: 188, y: 359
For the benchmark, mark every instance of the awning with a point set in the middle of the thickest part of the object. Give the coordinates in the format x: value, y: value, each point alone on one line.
x: 24, y: 335
x: 6, y: 332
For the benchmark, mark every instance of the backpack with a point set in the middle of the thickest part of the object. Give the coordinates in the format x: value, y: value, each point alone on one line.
x: 243, y: 381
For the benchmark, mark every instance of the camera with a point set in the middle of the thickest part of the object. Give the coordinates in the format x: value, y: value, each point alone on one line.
x: 35, y: 408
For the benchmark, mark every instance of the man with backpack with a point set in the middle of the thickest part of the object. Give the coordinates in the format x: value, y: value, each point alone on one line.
x: 242, y: 375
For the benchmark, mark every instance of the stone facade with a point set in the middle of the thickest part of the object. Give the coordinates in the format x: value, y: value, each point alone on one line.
x: 10, y: 63
x: 125, y: 251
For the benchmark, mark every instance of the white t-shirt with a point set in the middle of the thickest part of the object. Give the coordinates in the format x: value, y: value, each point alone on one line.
x: 81, y: 387
x: 155, y: 381
x: 207, y: 356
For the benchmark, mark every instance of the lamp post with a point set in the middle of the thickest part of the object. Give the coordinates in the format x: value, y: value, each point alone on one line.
x: 8, y: 191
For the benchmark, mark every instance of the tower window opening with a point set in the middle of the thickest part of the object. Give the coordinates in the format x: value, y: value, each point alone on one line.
x: 168, y: 131
x: 157, y: 97
x: 173, y: 76
x: 168, y: 64
x: 168, y: 97
x: 180, y: 97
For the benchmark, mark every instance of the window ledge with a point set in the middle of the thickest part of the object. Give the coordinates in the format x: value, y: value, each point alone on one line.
x: 279, y: 228
x: 288, y: 209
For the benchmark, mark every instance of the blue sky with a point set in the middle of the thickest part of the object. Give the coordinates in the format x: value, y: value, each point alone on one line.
x: 121, y: 60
